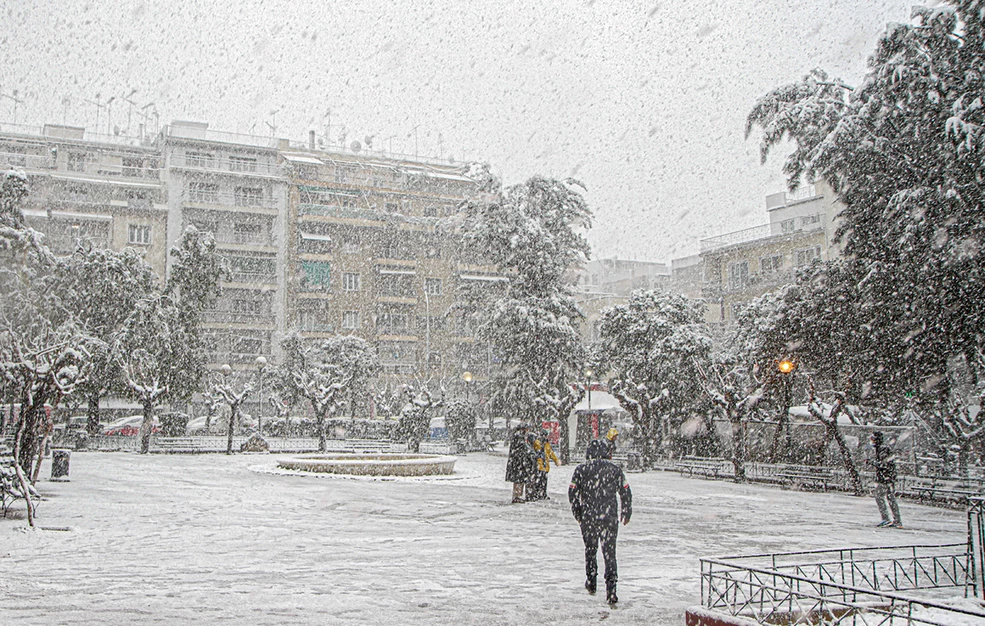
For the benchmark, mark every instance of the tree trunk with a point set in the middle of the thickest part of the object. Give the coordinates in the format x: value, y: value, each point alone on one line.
x: 92, y: 412
x: 846, y: 456
x: 233, y: 413
x: 146, y: 427
x: 738, y: 448
x: 21, y: 478
x: 320, y: 426
x: 40, y: 458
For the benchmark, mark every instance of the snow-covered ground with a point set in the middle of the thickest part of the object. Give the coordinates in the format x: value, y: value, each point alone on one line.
x: 183, y: 539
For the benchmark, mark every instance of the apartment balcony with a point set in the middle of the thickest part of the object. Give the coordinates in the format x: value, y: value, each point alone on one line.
x: 236, y: 166
x: 761, y: 281
x: 733, y: 238
x: 224, y: 201
x: 232, y: 317
x: 253, y: 278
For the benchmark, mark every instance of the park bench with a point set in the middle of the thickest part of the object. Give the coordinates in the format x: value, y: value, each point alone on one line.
x: 365, y: 446
x: 709, y: 467
x: 806, y: 476
x: 10, y: 489
x: 944, y: 489
x: 175, y: 445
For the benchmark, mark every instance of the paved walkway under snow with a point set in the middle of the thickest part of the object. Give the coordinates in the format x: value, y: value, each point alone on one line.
x: 175, y: 539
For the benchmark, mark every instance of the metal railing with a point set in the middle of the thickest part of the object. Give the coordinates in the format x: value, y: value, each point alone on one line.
x: 849, y: 586
x: 223, y: 164
x: 734, y: 237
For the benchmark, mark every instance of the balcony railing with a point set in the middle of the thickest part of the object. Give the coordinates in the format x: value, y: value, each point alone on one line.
x: 253, y: 277
x: 231, y: 317
x: 223, y: 164
x: 735, y: 237
x: 226, y: 199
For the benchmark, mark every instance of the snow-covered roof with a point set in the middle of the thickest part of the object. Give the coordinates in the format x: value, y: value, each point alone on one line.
x: 92, y: 217
x: 601, y: 401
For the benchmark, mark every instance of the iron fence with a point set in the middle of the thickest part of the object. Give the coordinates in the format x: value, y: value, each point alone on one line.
x: 858, y: 586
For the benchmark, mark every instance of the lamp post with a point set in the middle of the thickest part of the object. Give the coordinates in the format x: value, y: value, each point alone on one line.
x: 786, y: 367
x: 588, y: 386
x: 261, y: 365
x: 467, y: 377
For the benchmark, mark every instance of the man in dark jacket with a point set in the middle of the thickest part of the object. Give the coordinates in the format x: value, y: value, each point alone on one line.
x: 592, y: 495
x: 884, y: 464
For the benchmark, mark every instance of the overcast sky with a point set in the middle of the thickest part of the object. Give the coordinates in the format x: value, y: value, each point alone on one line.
x: 644, y: 102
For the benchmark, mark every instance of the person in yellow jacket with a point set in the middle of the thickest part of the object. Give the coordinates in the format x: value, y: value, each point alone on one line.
x: 610, y: 442
x: 537, y: 489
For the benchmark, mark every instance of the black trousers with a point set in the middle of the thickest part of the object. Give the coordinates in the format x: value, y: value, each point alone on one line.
x: 604, y: 532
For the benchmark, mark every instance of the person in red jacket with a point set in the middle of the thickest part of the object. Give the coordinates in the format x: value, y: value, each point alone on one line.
x: 594, y: 487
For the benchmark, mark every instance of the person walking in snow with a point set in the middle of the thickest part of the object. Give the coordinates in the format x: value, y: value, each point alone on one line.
x: 592, y: 494
x: 610, y: 441
x: 545, y: 454
x: 520, y: 464
x: 884, y: 463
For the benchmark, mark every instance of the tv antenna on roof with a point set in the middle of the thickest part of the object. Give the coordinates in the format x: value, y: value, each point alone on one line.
x: 16, y: 101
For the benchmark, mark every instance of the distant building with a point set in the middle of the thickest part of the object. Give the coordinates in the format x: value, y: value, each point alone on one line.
x: 318, y: 241
x: 606, y: 282
x: 742, y: 265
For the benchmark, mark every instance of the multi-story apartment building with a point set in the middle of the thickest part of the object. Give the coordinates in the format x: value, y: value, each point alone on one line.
x: 603, y: 283
x: 234, y: 187
x: 371, y: 255
x: 89, y: 189
x: 321, y: 242
x: 742, y: 265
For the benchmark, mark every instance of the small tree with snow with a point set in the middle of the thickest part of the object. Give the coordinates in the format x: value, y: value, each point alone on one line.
x: 325, y: 374
x: 415, y: 417
x: 651, y: 345
x: 224, y: 386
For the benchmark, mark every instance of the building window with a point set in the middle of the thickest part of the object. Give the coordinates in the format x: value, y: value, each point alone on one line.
x: 771, y: 263
x: 242, y: 164
x: 787, y: 226
x: 392, y: 323
x: 252, y: 269
x: 432, y: 286
x: 203, y: 192
x: 350, y: 281
x: 350, y: 320
x: 199, y: 159
x: 315, y: 275
x: 132, y: 166
x: 808, y: 255
x: 807, y: 220
x: 246, y: 307
x: 246, y: 232
x: 738, y: 274
x: 138, y: 234
x: 76, y: 161
x: 248, y: 196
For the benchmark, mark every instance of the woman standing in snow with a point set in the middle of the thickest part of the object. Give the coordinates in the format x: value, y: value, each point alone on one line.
x: 537, y: 490
x: 520, y: 464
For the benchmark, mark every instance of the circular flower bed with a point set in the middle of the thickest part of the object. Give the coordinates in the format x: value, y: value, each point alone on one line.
x: 372, y: 464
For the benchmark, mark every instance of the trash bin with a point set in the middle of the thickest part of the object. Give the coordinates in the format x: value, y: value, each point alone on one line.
x: 59, y: 464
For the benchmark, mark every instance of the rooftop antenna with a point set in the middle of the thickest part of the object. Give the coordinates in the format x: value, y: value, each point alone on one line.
x: 66, y: 102
x: 328, y: 126
x: 390, y: 142
x: 16, y: 102
x: 272, y: 124
x: 143, y: 113
x: 127, y: 98
x: 99, y: 107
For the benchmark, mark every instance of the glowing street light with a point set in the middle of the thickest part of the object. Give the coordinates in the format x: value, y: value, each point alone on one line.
x: 786, y: 366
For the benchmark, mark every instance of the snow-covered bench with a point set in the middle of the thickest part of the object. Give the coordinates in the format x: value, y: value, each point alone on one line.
x: 10, y: 489
x: 709, y: 467
x: 185, y: 444
x: 807, y: 476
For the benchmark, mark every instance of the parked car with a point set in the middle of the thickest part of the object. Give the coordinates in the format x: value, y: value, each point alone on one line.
x: 127, y: 426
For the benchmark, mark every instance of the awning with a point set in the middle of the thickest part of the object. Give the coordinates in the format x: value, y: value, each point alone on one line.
x: 601, y: 401
x: 89, y: 217
x: 314, y: 237
x: 34, y: 213
x: 104, y: 181
x: 300, y: 158
x: 485, y: 277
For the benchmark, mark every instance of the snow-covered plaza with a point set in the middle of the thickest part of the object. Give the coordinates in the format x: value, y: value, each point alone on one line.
x: 182, y: 539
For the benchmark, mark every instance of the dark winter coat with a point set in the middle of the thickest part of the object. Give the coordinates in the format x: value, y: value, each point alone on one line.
x: 885, y: 465
x: 521, y: 463
x: 594, y: 487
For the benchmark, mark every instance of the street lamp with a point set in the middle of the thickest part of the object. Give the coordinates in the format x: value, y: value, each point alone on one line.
x: 588, y: 374
x: 467, y: 377
x: 786, y: 366
x: 261, y: 365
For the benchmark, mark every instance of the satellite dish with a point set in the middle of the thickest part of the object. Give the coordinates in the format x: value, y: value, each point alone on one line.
x: 356, y: 146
